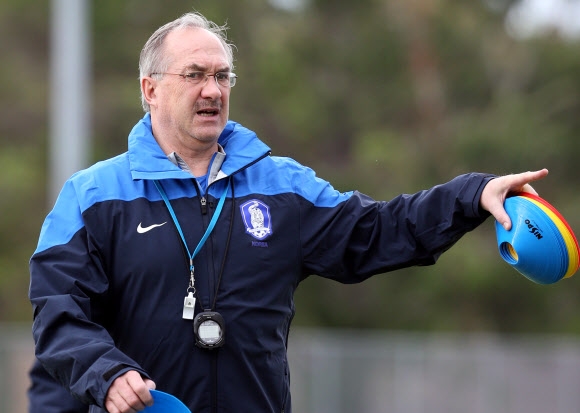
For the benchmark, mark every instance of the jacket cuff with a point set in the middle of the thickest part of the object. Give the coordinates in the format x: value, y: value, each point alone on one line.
x: 111, y: 375
x: 472, y: 196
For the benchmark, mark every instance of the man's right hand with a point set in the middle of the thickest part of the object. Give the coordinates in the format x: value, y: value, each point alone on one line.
x: 129, y: 393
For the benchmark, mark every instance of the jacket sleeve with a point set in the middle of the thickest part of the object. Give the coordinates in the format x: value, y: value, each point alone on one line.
x: 350, y: 237
x: 68, y: 289
x: 46, y: 395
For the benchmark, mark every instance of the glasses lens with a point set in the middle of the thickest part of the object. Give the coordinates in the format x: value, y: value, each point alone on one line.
x: 225, y: 79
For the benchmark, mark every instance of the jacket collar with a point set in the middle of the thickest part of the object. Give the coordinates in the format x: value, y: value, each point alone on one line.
x: 148, y: 161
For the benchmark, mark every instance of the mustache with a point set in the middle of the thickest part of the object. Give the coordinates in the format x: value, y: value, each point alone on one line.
x: 207, y: 104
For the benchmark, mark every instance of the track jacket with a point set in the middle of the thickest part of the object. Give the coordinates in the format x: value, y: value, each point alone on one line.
x: 110, y: 273
x: 45, y: 395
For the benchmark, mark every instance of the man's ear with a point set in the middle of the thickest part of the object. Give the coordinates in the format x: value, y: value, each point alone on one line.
x: 148, y: 86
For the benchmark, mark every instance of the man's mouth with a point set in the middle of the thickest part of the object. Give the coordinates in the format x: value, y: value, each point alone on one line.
x: 208, y: 112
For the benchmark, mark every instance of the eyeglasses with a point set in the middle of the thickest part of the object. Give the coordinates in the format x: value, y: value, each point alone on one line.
x: 225, y: 79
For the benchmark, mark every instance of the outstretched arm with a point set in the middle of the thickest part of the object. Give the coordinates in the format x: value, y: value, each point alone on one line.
x: 497, y: 190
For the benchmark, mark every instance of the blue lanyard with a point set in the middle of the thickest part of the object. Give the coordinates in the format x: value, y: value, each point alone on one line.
x: 210, y: 227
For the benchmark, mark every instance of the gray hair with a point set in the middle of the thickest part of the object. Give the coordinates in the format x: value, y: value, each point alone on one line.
x: 153, y: 59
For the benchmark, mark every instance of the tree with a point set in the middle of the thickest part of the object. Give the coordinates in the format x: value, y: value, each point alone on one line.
x: 382, y: 96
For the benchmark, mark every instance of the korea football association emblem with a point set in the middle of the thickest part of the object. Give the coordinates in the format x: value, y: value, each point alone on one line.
x: 256, y: 216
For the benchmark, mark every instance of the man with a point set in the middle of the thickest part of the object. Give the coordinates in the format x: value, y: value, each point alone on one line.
x: 174, y: 265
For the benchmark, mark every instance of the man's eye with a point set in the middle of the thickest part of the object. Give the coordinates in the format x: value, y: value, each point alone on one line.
x: 195, y: 75
x: 222, y: 76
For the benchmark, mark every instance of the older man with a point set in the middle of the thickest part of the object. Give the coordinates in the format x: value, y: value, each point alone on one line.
x: 174, y: 264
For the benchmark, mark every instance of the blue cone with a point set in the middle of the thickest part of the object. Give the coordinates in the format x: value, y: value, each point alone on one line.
x: 166, y: 403
x: 534, y: 246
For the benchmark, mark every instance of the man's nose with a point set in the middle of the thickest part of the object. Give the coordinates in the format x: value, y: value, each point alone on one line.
x: 210, y: 87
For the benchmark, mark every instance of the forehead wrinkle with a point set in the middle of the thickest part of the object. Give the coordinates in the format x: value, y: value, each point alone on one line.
x: 202, y: 68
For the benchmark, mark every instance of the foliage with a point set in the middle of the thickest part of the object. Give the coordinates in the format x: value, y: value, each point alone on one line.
x: 382, y: 96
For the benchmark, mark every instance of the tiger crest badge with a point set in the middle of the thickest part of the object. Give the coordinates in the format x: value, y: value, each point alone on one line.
x: 257, y: 219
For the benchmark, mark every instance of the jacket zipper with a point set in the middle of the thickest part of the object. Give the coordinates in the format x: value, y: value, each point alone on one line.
x: 213, y: 363
x: 203, y: 207
x: 214, y: 367
x: 214, y: 379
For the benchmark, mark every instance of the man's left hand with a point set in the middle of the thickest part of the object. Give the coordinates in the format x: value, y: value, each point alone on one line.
x: 497, y: 190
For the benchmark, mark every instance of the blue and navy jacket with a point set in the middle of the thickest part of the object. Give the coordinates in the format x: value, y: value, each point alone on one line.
x: 46, y: 395
x: 108, y: 298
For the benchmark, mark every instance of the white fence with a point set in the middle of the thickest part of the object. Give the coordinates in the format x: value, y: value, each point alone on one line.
x: 359, y: 371
x: 16, y: 354
x: 365, y: 372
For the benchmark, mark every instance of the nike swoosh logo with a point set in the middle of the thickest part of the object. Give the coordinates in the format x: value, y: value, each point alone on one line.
x: 142, y: 230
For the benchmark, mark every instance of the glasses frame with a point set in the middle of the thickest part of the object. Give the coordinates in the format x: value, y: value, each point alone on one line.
x: 188, y: 77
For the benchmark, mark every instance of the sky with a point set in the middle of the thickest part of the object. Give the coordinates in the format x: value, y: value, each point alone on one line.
x: 530, y: 18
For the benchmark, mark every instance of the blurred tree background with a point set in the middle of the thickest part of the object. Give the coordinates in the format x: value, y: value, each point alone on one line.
x: 383, y: 96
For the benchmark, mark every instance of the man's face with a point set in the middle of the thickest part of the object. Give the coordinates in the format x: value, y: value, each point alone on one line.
x: 183, y: 109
